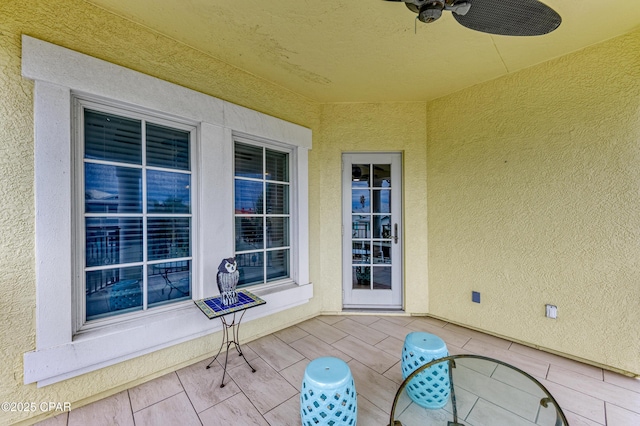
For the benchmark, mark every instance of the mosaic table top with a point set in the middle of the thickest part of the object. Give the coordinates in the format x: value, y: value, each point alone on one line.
x: 212, y: 306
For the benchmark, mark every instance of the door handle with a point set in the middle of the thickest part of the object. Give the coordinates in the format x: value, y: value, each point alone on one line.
x: 395, y: 233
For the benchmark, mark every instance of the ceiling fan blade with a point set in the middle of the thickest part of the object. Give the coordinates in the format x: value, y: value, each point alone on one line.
x: 510, y: 17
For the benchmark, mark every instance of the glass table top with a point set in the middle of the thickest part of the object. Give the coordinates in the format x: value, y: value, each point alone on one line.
x: 478, y: 391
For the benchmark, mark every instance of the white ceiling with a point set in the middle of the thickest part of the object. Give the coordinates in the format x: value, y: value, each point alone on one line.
x: 367, y: 50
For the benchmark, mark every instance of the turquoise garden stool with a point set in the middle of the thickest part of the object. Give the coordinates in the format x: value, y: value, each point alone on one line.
x: 431, y: 387
x: 328, y: 395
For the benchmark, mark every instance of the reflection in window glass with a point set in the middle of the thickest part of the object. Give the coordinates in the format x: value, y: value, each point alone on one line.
x: 112, y: 189
x: 167, y: 147
x: 248, y: 161
x: 251, y: 268
x: 249, y: 233
x: 169, y: 282
x: 381, y: 201
x: 249, y: 198
x: 168, y: 237
x: 111, y: 241
x: 113, y: 291
x: 277, y: 199
x: 382, y: 278
x: 361, y: 226
x: 124, y: 234
x: 361, y: 277
x: 168, y: 192
x: 110, y: 137
x: 360, y: 201
x: 360, y: 175
x: 381, y: 226
x: 382, y: 175
x: 277, y: 165
x: 262, y: 213
x: 361, y: 252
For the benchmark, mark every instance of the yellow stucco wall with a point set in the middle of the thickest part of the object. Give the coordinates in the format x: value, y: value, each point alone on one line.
x: 533, y: 193
x: 76, y: 25
x: 389, y: 127
x: 534, y: 198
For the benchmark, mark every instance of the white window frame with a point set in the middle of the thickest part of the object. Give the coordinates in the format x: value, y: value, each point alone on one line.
x: 293, y: 202
x: 79, y: 104
x: 59, y: 73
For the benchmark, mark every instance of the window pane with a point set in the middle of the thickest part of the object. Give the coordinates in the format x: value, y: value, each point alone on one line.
x: 381, y: 226
x: 168, y: 192
x: 248, y: 161
x: 382, y: 175
x: 111, y: 241
x: 168, y: 237
x: 277, y: 264
x: 249, y: 233
x: 251, y: 268
x: 361, y: 226
x: 167, y: 147
x: 113, y: 290
x: 382, y: 201
x: 360, y: 252
x: 360, y: 201
x: 382, y: 278
x: 277, y: 165
x: 382, y: 252
x: 361, y: 277
x: 112, y: 189
x: 113, y: 138
x: 249, y: 197
x: 277, y: 232
x: 168, y: 281
x: 360, y: 176
x: 277, y: 198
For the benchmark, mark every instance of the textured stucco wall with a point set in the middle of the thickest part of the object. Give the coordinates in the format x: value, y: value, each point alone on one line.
x: 388, y: 127
x: 534, y: 198
x: 532, y: 194
x: 75, y: 24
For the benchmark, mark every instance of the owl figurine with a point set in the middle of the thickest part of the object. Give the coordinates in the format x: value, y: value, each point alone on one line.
x: 228, y: 277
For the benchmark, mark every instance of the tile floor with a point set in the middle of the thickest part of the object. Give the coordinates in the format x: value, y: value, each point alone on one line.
x: 371, y: 345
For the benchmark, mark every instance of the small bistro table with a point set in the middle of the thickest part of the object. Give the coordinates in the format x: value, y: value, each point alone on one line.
x: 212, y: 307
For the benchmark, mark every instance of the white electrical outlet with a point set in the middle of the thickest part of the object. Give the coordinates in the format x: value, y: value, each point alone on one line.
x: 552, y: 311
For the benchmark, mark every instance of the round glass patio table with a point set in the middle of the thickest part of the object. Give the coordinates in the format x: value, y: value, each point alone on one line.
x: 484, y: 391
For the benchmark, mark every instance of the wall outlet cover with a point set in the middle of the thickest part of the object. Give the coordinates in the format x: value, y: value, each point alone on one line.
x: 475, y: 296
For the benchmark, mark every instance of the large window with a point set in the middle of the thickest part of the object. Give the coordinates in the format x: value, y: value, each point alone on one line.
x: 262, y: 213
x: 138, y: 232
x: 137, y: 212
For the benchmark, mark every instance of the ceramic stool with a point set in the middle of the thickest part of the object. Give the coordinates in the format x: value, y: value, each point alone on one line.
x: 328, y: 394
x: 431, y: 387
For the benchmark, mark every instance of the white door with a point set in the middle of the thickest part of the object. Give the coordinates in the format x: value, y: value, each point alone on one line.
x: 372, y: 230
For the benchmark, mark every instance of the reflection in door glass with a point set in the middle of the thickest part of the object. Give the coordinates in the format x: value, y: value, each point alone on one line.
x: 361, y: 252
x: 381, y: 226
x: 360, y: 201
x: 360, y: 175
x: 382, y: 278
x: 361, y: 226
x: 382, y: 201
x: 382, y: 252
x: 382, y: 175
x: 361, y: 277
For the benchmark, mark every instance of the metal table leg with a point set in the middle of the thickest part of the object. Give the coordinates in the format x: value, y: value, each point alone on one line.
x: 235, y: 340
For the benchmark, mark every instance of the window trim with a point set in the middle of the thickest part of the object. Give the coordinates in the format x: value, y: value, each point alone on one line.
x: 58, y: 73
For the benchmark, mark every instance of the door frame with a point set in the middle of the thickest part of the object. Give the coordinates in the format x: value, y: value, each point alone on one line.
x: 373, y: 299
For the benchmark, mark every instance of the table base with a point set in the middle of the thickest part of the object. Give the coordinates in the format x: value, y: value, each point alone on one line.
x: 235, y: 341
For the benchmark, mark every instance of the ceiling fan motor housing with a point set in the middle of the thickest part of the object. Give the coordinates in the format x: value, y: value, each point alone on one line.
x: 431, y: 11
